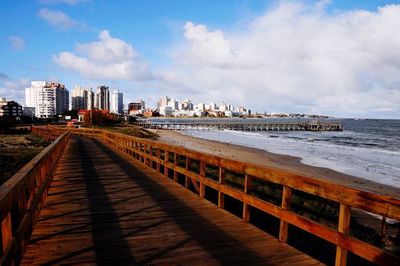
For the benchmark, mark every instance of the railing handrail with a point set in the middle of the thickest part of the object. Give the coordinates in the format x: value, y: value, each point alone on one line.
x: 149, y: 152
x: 346, y: 197
x: 319, y: 187
x: 22, y: 196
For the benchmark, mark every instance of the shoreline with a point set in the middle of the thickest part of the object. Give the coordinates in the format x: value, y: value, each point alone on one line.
x: 284, y: 162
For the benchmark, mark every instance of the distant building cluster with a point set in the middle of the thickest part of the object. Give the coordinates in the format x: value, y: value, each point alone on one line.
x: 185, y: 108
x: 51, y: 99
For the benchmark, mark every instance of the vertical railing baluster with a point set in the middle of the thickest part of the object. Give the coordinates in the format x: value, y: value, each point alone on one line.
x: 175, y: 165
x: 202, y: 190
x: 343, y: 227
x: 187, y: 181
x: 247, y: 189
x: 383, y: 227
x: 166, y: 160
x: 145, y: 151
x: 6, y: 232
x: 284, y: 226
x: 159, y: 158
x: 221, y: 180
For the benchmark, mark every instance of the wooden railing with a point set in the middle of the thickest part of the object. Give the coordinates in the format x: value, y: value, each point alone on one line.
x: 168, y: 160
x: 47, y: 132
x: 23, y: 195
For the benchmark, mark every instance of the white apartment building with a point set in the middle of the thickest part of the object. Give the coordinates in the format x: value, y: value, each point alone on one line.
x: 166, y: 111
x: 102, y: 98
x: 200, y: 107
x: 213, y: 106
x: 163, y: 102
x: 226, y: 107
x: 174, y: 104
x: 82, y: 98
x: 48, y: 99
x: 186, y: 105
x: 116, y: 102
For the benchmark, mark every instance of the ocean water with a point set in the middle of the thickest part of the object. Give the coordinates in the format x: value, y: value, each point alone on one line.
x: 369, y: 149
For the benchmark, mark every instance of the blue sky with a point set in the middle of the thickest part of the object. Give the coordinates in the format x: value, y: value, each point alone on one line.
x: 331, y: 57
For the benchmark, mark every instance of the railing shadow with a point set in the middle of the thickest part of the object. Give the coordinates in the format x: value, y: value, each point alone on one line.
x: 192, y: 223
x: 109, y: 242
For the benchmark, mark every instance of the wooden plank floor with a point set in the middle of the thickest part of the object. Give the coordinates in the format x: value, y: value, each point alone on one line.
x: 104, y: 209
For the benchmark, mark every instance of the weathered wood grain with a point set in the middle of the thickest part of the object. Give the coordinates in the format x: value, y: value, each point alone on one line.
x: 103, y: 209
x: 347, y: 197
x: 23, y: 195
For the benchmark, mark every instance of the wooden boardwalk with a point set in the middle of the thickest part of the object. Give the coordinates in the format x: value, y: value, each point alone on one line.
x: 104, y: 208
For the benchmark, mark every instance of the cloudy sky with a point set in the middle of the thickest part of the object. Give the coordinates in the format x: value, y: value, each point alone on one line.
x: 338, y: 58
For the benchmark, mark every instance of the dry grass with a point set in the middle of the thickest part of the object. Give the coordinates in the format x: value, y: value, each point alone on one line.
x: 133, y: 130
x: 16, y: 151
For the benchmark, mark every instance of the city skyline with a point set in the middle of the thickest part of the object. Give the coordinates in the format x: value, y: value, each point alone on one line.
x: 48, y: 99
x: 318, y: 57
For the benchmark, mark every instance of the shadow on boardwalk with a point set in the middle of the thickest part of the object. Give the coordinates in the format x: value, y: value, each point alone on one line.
x: 214, y: 240
x: 104, y: 209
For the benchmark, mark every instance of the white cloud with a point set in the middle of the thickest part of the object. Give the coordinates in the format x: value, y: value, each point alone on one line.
x: 107, y: 58
x: 14, y: 89
x: 206, y: 47
x: 69, y: 2
x: 296, y: 57
x: 17, y: 43
x: 60, y: 20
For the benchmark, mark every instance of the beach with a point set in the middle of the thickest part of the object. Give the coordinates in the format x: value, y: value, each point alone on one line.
x: 265, y: 158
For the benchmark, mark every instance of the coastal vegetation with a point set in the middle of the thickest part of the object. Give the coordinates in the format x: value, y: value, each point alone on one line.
x: 130, y: 130
x: 315, y: 208
x: 16, y: 150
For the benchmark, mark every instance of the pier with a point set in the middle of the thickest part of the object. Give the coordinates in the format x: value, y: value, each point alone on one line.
x: 100, y: 197
x: 241, y: 125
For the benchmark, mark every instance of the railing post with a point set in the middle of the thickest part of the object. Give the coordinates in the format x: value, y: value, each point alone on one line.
x: 166, y: 161
x: 202, y: 191
x: 187, y: 168
x: 145, y: 151
x: 137, y: 150
x: 131, y: 148
x: 221, y: 178
x: 6, y: 232
x: 175, y: 164
x: 383, y: 227
x: 343, y: 227
x: 158, y: 157
x: 150, y: 162
x: 247, y: 188
x: 284, y: 226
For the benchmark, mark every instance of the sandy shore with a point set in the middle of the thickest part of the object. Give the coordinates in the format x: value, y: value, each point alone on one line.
x: 262, y: 157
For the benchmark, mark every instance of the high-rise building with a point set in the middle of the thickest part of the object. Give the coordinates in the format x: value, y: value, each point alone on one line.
x: 213, y: 106
x: 82, y: 99
x: 116, y: 102
x: 223, y: 107
x: 200, y: 107
x: 186, y: 105
x: 102, y: 98
x: 163, y: 102
x: 174, y: 104
x: 61, y: 95
x: 48, y: 99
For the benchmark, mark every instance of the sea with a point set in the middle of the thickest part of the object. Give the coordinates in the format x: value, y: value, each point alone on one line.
x: 366, y: 148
